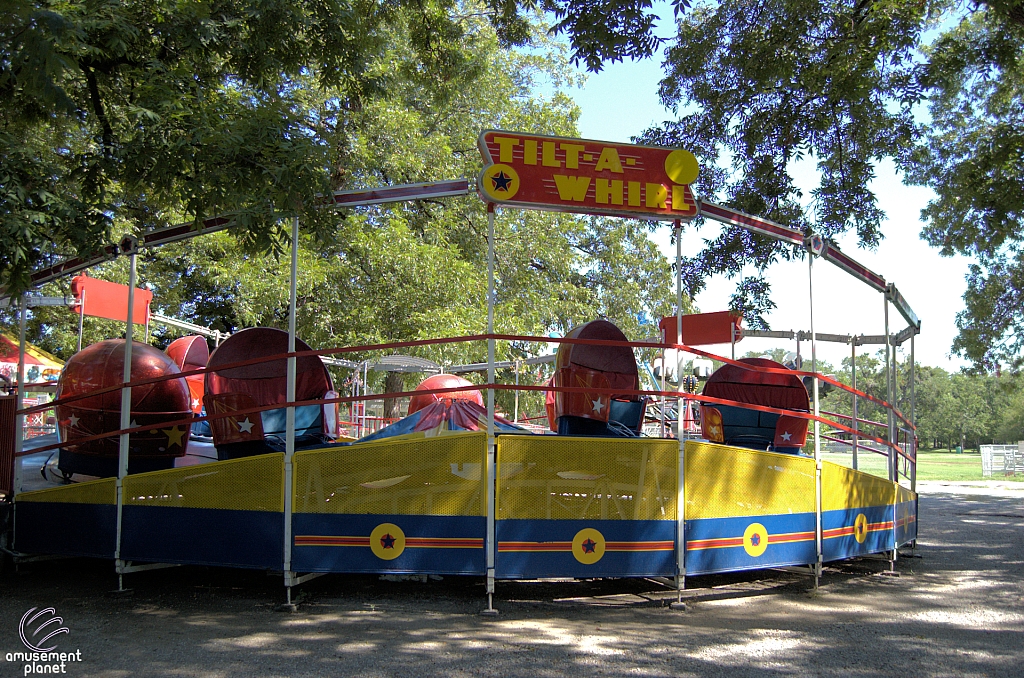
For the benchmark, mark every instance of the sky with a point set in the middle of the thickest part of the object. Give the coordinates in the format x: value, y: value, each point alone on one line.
x: 621, y: 101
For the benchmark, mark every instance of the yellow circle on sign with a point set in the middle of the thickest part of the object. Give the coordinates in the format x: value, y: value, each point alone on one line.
x: 588, y: 546
x: 860, y: 528
x: 755, y: 540
x: 500, y: 182
x: 387, y: 541
x: 681, y: 167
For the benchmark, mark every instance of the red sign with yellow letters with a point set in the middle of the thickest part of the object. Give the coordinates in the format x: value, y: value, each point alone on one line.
x: 591, y: 177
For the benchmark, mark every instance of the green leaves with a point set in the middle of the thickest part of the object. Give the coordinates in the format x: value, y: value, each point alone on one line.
x: 607, y: 30
x: 153, y: 112
x: 974, y: 159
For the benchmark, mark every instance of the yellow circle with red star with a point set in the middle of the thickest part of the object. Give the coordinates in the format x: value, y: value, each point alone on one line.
x: 588, y: 546
x: 860, y: 528
x: 500, y: 182
x: 387, y: 541
x: 755, y: 540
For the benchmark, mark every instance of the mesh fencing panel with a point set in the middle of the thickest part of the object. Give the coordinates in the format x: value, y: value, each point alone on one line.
x: 723, y: 481
x: 440, y: 476
x: 92, y: 492
x: 249, y: 484
x: 844, y: 488
x: 586, y: 478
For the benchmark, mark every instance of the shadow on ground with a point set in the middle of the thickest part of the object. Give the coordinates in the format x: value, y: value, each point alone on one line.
x: 955, y: 610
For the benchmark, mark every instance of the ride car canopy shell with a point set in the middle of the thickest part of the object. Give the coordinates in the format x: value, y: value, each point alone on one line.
x: 265, y: 381
x: 191, y: 353
x: 418, y: 402
x: 101, y: 365
x: 604, y: 367
x: 731, y: 382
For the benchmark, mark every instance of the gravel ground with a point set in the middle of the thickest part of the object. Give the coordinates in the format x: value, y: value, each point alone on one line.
x: 956, y: 609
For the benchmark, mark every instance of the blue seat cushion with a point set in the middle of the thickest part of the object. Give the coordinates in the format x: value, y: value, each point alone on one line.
x: 627, y: 413
x: 747, y: 428
x: 309, y: 421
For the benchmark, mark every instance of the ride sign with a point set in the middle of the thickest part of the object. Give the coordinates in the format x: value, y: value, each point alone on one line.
x: 590, y: 177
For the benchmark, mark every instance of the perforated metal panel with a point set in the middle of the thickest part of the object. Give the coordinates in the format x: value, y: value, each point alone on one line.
x: 586, y: 478
x: 844, y: 488
x: 92, y: 492
x: 249, y: 484
x: 440, y: 476
x: 723, y: 481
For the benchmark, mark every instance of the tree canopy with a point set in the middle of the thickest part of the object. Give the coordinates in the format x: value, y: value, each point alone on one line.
x: 163, y: 111
x: 416, y: 270
x: 936, y: 86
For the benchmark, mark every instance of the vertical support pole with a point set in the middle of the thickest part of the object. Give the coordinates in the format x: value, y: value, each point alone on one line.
x: 362, y: 405
x: 732, y: 339
x: 681, y: 489
x: 661, y: 398
x: 19, y: 420
x: 489, y: 476
x: 853, y: 379
x: 817, y: 425
x: 81, y: 320
x: 126, y: 416
x: 913, y: 415
x: 893, y: 475
x: 147, y: 322
x: 889, y: 391
x: 289, y: 442
x: 515, y: 414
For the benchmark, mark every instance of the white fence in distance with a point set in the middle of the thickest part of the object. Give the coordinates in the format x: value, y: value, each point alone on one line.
x: 1008, y: 458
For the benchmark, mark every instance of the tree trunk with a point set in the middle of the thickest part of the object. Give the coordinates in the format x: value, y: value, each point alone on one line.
x: 393, y: 383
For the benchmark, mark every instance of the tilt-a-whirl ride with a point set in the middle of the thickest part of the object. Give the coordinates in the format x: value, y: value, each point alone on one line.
x: 453, y: 488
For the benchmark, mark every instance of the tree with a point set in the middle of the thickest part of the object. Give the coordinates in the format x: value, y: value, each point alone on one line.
x: 412, y: 271
x: 1010, y: 417
x: 162, y: 111
x: 973, y: 157
x: 760, y: 85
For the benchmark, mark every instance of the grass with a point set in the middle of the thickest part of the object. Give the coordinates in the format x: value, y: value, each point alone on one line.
x: 931, y: 465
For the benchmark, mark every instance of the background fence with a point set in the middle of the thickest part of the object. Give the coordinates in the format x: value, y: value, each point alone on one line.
x: 1005, y: 459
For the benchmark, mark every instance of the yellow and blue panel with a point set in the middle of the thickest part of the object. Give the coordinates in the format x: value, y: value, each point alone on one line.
x: 224, y: 513
x: 585, y: 507
x: 73, y: 520
x: 905, y: 516
x: 856, y: 512
x: 747, y: 509
x: 392, y: 505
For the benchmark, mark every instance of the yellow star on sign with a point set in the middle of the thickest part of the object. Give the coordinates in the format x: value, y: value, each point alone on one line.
x: 174, y: 436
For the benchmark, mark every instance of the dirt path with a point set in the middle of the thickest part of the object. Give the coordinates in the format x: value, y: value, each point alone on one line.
x: 958, y: 610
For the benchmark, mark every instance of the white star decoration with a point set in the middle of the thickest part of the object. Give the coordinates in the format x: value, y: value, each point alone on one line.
x: 598, y: 405
x: 786, y: 436
x: 74, y: 421
x: 245, y: 426
x: 195, y: 403
x: 133, y: 424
